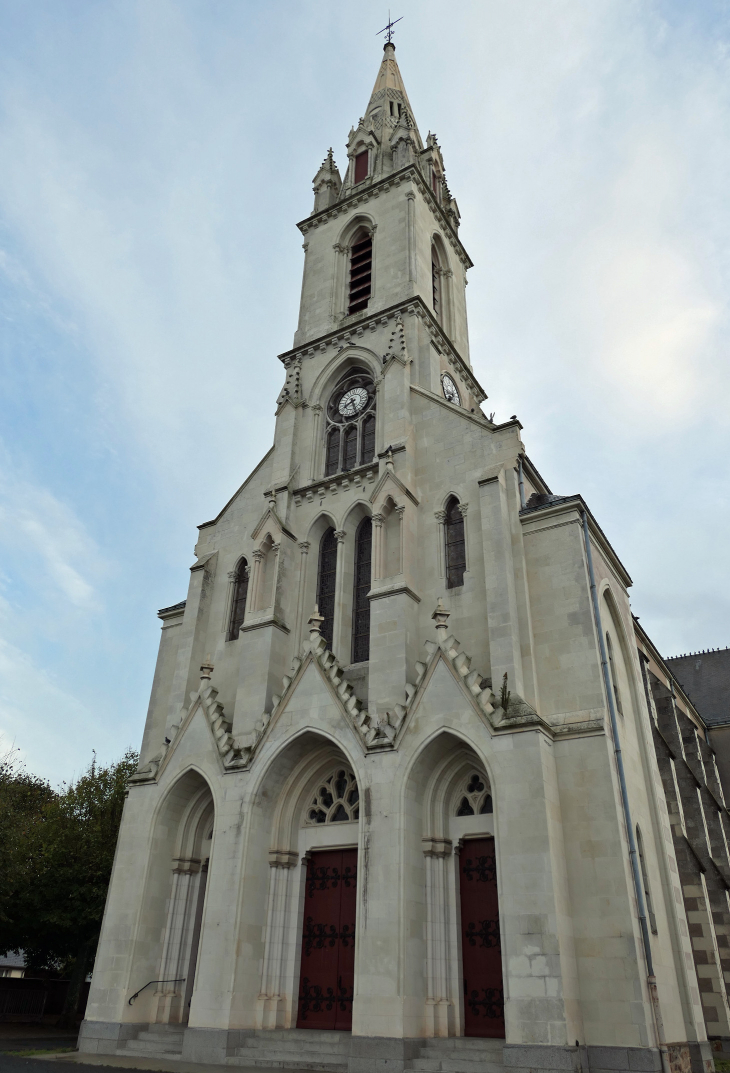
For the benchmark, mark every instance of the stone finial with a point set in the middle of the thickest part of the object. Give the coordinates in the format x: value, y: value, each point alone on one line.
x: 206, y: 669
x: 314, y: 622
x: 389, y: 460
x: 441, y: 618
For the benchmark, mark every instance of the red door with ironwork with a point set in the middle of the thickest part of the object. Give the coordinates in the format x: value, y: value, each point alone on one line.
x: 481, y: 949
x: 328, y: 941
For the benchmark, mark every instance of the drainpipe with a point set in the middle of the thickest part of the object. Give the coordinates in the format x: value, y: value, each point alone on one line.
x: 521, y: 481
x: 633, y: 854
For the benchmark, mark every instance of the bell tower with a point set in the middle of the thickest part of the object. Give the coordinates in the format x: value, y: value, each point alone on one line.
x: 393, y: 193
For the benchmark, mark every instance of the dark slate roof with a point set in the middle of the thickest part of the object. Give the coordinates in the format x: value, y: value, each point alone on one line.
x: 174, y: 607
x: 705, y: 677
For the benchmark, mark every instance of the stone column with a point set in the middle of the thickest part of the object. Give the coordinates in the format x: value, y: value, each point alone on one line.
x: 411, y: 235
x: 258, y: 558
x: 377, y: 520
x: 339, y: 595
x: 400, y: 511
x: 304, y: 547
x: 463, y: 508
x: 272, y: 1003
x: 176, y: 952
x: 439, y: 1007
x: 275, y: 551
x: 440, y: 516
x: 315, y: 466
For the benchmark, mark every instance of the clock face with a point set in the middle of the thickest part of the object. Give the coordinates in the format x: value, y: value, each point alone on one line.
x: 353, y: 401
x: 450, y: 390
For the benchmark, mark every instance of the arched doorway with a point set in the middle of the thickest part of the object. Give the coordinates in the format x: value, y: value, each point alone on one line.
x: 464, y: 985
x: 311, y: 923
x: 184, y: 914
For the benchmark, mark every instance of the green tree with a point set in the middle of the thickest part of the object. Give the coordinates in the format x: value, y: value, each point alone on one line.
x: 61, y: 852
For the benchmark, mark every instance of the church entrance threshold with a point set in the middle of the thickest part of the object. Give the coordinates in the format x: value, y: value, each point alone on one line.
x: 481, y: 949
x: 328, y: 941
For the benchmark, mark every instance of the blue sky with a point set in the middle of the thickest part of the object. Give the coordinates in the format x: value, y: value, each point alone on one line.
x: 155, y: 159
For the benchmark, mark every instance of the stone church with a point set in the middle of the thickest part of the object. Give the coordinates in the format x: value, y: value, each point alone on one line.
x: 398, y: 804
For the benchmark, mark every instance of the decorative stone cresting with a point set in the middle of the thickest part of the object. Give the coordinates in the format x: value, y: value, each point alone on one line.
x: 397, y: 346
x: 233, y: 753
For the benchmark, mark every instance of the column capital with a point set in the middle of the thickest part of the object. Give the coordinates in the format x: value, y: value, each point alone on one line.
x: 304, y: 546
x: 378, y: 520
x: 340, y: 535
x: 437, y: 847
x: 440, y: 516
x: 232, y: 575
x: 463, y: 508
x: 257, y: 555
x: 400, y: 510
x: 282, y: 858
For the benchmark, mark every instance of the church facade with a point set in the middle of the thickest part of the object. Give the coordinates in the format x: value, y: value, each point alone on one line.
x: 398, y: 804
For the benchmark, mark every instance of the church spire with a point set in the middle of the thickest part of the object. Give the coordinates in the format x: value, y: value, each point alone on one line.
x: 389, y: 91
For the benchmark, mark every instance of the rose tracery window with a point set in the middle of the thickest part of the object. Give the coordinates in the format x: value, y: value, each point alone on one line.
x: 474, y: 798
x: 350, y: 435
x: 337, y: 799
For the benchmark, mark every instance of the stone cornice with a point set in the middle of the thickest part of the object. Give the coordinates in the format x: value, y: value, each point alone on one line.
x: 411, y: 173
x: 353, y: 334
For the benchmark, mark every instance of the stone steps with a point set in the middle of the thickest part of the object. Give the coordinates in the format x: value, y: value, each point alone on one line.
x: 286, y: 1060
x: 162, y: 1041
x: 294, y: 1048
x: 459, y: 1054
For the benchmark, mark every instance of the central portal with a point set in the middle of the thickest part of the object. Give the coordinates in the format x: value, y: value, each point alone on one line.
x: 328, y: 941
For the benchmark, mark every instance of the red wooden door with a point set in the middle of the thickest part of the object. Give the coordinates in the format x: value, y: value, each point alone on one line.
x: 328, y: 941
x: 481, y: 950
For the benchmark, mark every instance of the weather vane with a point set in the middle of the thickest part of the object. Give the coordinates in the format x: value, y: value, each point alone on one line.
x: 388, y: 30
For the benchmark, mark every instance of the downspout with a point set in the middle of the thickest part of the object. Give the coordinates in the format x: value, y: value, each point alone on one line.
x: 633, y: 854
x: 521, y: 481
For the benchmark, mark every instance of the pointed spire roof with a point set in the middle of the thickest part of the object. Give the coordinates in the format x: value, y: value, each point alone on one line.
x: 389, y: 86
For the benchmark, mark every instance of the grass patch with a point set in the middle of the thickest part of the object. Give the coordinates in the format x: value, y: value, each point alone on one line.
x: 57, y: 1050
x: 722, y: 1065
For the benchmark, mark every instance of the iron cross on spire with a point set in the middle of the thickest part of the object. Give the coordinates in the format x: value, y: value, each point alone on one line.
x: 388, y: 30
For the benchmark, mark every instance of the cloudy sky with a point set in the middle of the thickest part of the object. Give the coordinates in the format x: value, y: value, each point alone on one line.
x: 155, y: 158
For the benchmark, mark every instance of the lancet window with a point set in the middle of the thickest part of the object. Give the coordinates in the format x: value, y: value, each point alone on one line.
x: 336, y: 800
x: 455, y: 544
x: 350, y: 435
x: 436, y: 282
x: 361, y: 166
x: 360, y: 602
x: 474, y: 799
x: 326, y: 584
x: 240, y: 595
x: 361, y: 271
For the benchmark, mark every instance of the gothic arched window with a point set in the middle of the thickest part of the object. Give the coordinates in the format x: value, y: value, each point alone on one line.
x: 614, y: 679
x: 360, y: 602
x: 361, y: 271
x: 350, y: 435
x: 474, y: 798
x: 326, y: 582
x: 455, y: 544
x: 337, y: 799
x: 436, y: 282
x: 238, y: 603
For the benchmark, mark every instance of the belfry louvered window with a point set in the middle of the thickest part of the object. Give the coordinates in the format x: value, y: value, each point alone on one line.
x: 361, y: 272
x: 360, y: 602
x: 436, y: 282
x: 350, y: 432
x: 326, y: 584
x: 455, y: 544
x: 238, y: 603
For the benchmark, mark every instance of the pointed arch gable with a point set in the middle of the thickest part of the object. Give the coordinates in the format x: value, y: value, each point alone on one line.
x: 350, y: 358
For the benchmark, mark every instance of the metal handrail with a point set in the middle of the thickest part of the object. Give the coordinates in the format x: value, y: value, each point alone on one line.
x: 179, y: 980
